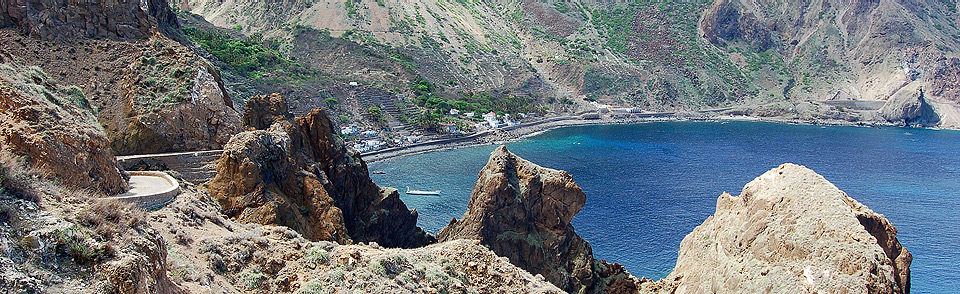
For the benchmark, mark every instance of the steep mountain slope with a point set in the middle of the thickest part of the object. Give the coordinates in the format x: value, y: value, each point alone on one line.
x: 658, y: 55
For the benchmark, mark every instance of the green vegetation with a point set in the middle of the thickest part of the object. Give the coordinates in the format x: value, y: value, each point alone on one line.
x: 75, y: 94
x: 561, y: 7
x: 73, y: 243
x: 331, y: 102
x: 482, y: 103
x: 616, y: 25
x: 249, y: 56
x: 349, y: 6
x: 376, y: 114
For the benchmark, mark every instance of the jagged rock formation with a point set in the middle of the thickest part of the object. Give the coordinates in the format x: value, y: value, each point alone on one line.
x: 52, y: 128
x: 296, y: 172
x: 523, y: 211
x: 790, y: 231
x: 49, y: 19
x: 908, y: 106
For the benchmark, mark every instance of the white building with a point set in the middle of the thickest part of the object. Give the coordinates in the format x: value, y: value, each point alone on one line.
x: 454, y: 111
x: 492, y: 120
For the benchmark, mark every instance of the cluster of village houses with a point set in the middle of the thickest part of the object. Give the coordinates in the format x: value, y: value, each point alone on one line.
x: 372, y: 140
x: 366, y: 140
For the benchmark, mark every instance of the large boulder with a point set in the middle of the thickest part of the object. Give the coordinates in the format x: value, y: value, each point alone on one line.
x: 53, y: 129
x: 790, y: 231
x: 297, y: 172
x: 523, y: 211
x: 909, y: 106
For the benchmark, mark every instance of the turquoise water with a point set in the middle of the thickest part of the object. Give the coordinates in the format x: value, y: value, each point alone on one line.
x: 648, y: 185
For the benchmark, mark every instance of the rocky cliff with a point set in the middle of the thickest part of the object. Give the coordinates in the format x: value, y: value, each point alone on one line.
x: 88, y: 19
x: 52, y: 128
x: 150, y: 93
x: 296, y: 172
x: 523, y: 211
x: 790, y: 231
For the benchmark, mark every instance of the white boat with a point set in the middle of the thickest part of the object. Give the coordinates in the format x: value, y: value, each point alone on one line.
x: 419, y: 192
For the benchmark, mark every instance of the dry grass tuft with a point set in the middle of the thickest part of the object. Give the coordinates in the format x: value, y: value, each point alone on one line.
x: 111, y: 219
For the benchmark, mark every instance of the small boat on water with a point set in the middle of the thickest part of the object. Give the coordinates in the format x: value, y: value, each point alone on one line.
x: 379, y: 172
x: 420, y: 192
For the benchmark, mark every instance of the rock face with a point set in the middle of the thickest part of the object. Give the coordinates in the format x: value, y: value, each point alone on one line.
x: 723, y: 21
x: 48, y: 19
x: 790, y: 231
x: 48, y: 126
x: 908, y: 106
x: 523, y: 211
x: 296, y: 172
x: 196, y: 115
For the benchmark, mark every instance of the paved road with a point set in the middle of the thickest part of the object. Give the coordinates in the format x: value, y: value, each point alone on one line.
x: 145, y: 185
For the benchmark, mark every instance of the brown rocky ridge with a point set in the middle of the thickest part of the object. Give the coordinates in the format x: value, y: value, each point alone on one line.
x: 522, y: 211
x: 296, y: 172
x: 790, y: 231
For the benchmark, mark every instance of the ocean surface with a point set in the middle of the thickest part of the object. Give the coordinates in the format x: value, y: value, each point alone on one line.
x: 648, y: 185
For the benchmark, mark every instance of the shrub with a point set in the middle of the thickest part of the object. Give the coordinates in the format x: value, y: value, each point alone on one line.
x: 317, y: 255
x: 331, y: 102
x: 74, y: 243
x: 251, y: 279
x: 75, y: 95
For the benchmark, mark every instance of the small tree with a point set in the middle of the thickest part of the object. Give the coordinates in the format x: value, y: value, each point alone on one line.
x: 331, y: 102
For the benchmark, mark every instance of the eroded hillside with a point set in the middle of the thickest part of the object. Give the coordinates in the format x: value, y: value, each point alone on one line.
x: 774, y: 57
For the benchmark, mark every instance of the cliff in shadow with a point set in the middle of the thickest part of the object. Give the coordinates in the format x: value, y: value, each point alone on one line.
x: 296, y: 172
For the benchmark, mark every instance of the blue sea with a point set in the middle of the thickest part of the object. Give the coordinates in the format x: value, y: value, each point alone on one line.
x: 648, y: 185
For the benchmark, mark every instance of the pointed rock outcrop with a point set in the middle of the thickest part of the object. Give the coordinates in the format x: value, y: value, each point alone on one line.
x: 523, y: 211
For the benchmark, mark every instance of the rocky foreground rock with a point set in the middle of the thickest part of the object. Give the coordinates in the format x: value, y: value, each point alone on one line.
x: 296, y: 172
x: 790, y: 231
x: 523, y: 211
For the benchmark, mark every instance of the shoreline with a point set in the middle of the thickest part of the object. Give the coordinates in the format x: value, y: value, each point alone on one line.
x: 523, y: 131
